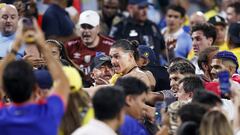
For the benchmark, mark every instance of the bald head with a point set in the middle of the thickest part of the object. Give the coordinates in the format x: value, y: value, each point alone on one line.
x: 196, y: 18
x: 8, y: 20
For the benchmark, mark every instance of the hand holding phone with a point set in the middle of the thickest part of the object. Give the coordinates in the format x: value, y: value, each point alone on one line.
x: 224, y: 82
x: 159, y: 105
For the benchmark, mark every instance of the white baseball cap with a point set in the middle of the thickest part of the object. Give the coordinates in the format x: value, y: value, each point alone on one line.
x: 89, y: 17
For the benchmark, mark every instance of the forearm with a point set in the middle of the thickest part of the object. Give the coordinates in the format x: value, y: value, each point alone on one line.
x: 7, y: 59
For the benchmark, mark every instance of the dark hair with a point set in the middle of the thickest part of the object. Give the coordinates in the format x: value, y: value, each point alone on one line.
x: 19, y: 81
x: 192, y: 112
x: 208, y: 30
x: 206, y: 98
x: 132, y: 85
x: 108, y: 102
x: 177, y: 8
x: 182, y: 68
x: 127, y: 45
x: 192, y: 83
x: 236, y: 6
x: 188, y: 128
x: 181, y: 60
x: 204, y: 55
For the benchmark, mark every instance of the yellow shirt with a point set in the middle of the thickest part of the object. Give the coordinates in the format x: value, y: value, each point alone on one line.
x: 223, y: 47
x: 211, y: 13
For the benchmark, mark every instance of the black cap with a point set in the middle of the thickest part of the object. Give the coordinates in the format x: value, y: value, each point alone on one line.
x: 99, y: 61
x: 217, y: 20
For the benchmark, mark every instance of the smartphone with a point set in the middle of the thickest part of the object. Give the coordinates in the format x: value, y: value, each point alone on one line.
x: 159, y: 105
x: 224, y: 82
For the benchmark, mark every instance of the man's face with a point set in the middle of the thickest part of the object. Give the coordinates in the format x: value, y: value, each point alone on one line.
x: 136, y: 106
x: 102, y: 74
x: 200, y: 41
x: 88, y: 34
x: 140, y: 12
x: 221, y: 33
x: 174, y: 79
x: 217, y: 66
x: 182, y: 95
x: 110, y: 8
x: 119, y: 59
x: 8, y: 20
x: 174, y: 20
x: 231, y: 15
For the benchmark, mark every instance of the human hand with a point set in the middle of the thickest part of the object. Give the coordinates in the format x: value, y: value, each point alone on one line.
x: 35, y: 62
x: 171, y: 43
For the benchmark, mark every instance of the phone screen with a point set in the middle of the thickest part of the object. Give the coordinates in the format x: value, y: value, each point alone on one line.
x: 224, y: 82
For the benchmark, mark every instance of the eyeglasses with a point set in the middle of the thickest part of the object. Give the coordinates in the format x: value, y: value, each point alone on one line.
x: 86, y: 26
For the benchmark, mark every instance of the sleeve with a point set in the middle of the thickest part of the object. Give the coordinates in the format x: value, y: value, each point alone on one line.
x: 50, y: 25
x: 56, y: 107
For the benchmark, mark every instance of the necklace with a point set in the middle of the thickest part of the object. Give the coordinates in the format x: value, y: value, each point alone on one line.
x: 131, y: 69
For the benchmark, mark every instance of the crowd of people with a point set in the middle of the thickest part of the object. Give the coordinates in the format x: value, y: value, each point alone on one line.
x: 120, y: 70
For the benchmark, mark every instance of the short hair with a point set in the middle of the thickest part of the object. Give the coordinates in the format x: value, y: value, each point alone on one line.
x: 208, y: 30
x: 132, y: 85
x: 192, y: 112
x: 188, y: 128
x: 204, y: 55
x: 182, y: 68
x: 19, y: 81
x: 206, y: 98
x: 192, y: 83
x: 108, y: 102
x: 177, y: 8
x: 236, y: 6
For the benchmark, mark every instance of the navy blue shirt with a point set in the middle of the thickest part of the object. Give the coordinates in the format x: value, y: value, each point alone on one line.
x: 56, y: 22
x: 132, y: 127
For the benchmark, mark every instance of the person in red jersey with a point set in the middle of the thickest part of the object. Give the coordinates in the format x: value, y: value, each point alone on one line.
x: 83, y: 49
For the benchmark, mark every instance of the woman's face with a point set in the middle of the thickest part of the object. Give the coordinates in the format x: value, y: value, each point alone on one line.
x: 54, y: 50
x: 120, y: 59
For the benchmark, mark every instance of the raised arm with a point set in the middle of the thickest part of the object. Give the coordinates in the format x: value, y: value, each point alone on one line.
x: 61, y: 85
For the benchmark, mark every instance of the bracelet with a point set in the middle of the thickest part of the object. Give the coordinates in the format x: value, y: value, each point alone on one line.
x: 13, y: 52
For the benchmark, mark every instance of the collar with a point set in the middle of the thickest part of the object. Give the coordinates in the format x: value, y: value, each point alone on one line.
x: 175, y: 35
x: 103, y: 126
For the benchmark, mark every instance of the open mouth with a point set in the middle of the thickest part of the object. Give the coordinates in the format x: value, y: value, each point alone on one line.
x: 116, y: 68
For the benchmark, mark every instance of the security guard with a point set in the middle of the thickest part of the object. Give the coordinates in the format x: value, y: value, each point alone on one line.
x: 138, y: 27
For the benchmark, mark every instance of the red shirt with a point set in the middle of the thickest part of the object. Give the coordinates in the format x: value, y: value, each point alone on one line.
x: 82, y: 55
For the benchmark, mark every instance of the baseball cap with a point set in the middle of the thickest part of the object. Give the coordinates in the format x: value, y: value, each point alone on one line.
x: 234, y: 32
x: 74, y: 78
x: 147, y: 52
x: 227, y: 55
x: 99, y: 61
x: 89, y: 17
x: 44, y: 79
x: 217, y: 20
x: 139, y: 2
